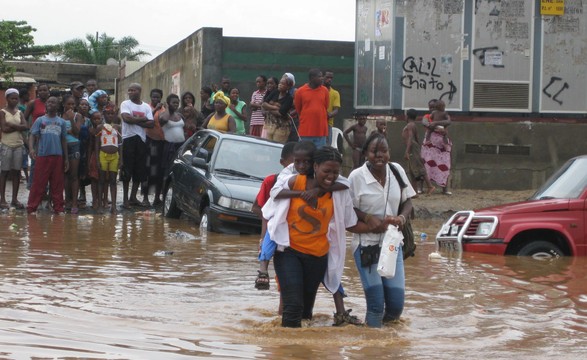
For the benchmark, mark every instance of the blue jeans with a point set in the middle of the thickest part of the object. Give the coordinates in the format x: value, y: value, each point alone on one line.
x: 385, y: 296
x: 299, y: 276
x: 319, y: 141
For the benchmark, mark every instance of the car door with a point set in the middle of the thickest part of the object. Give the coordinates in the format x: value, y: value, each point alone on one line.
x: 183, y: 171
x: 198, y: 180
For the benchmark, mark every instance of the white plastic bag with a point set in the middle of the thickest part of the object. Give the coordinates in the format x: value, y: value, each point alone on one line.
x: 389, y: 251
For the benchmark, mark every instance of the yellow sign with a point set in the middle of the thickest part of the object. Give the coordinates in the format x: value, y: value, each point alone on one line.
x: 552, y: 7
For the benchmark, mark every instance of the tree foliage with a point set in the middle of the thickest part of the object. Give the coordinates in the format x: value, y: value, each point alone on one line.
x: 16, y: 41
x: 98, y: 49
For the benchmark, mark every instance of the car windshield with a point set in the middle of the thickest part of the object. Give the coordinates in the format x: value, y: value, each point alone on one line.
x: 250, y: 159
x: 567, y: 183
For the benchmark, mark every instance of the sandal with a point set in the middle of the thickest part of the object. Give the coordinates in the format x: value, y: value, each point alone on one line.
x: 4, y: 206
x: 262, y: 281
x: 346, y: 319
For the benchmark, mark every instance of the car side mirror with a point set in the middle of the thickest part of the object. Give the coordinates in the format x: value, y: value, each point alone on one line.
x: 200, y: 163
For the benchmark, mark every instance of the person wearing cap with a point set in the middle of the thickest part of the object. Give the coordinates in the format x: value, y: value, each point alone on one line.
x: 136, y: 116
x: 311, y: 103
x: 77, y: 90
x: 12, y: 123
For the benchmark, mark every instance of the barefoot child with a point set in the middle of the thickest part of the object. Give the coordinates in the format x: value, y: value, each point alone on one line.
x: 109, y: 151
x: 415, y: 167
x: 381, y: 127
x: 359, y: 131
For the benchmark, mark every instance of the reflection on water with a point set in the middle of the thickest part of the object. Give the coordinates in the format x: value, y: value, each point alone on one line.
x: 143, y: 287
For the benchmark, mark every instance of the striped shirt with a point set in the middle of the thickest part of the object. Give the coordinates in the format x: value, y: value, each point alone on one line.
x: 257, y: 117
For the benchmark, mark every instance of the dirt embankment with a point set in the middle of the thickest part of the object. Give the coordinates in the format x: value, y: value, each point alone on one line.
x: 441, y: 206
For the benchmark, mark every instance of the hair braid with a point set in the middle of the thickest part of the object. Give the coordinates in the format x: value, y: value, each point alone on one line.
x: 327, y: 153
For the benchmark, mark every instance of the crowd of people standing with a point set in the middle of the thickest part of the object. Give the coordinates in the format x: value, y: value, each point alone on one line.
x: 82, y: 138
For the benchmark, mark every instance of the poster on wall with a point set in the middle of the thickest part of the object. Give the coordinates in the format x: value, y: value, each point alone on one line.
x: 175, y: 83
x: 493, y: 58
x: 552, y: 7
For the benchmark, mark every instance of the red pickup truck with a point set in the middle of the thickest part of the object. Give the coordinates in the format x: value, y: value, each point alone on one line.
x: 552, y: 223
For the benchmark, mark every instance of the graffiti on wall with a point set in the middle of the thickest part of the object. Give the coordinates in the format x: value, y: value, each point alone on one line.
x: 424, y: 75
x: 556, y: 90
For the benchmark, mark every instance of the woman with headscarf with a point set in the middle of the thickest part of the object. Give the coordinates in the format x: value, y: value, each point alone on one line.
x: 98, y: 100
x: 220, y: 120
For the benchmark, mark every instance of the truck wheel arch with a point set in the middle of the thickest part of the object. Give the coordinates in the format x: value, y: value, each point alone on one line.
x: 526, y: 237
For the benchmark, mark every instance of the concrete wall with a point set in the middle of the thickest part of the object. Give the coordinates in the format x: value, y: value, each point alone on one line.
x: 510, y: 156
x: 193, y: 61
x: 62, y: 74
x: 246, y: 58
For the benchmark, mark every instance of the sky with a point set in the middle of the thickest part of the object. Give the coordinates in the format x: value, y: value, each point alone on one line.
x: 158, y: 25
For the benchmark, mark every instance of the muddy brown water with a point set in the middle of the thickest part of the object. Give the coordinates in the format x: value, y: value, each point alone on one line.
x: 138, y: 286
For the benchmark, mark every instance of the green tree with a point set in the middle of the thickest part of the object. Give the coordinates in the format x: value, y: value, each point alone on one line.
x: 98, y: 49
x: 16, y: 42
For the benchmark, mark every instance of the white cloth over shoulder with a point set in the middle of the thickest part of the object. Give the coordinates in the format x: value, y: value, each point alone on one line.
x: 275, y: 211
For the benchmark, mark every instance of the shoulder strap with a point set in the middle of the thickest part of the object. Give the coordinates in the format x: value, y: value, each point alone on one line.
x: 397, y: 175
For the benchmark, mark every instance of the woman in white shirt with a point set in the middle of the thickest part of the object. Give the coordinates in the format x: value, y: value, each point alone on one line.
x: 172, y: 123
x: 377, y: 196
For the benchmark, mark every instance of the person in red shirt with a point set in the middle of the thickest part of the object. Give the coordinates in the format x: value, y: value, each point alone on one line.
x: 311, y: 103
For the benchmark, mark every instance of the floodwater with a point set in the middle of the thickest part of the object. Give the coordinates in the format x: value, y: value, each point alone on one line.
x: 138, y: 286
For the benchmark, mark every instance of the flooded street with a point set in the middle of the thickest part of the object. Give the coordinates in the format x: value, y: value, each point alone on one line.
x: 138, y: 286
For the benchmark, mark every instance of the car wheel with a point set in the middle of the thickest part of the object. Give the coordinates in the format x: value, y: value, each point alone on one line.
x: 541, y: 250
x: 170, y: 209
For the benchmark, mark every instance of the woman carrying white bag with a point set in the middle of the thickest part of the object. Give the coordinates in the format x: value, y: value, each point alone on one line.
x: 377, y: 195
